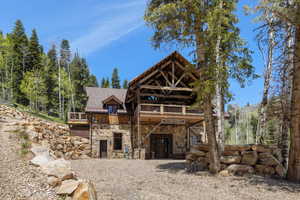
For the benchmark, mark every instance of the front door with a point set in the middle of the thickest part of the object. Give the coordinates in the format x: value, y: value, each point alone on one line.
x: 103, y: 148
x: 161, y: 146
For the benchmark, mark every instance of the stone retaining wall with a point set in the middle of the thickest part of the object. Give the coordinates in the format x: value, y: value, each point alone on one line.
x: 239, y: 159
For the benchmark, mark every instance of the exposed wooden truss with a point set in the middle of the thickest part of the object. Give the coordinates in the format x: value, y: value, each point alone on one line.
x: 153, y: 87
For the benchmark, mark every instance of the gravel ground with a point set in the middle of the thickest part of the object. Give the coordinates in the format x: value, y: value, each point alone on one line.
x: 18, y: 179
x: 166, y: 179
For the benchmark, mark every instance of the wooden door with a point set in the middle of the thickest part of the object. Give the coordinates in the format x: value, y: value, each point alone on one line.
x: 161, y: 146
x: 103, y: 148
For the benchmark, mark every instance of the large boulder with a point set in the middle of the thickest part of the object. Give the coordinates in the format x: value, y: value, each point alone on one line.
x: 230, y: 159
x: 201, y: 147
x: 59, y: 168
x: 68, y: 187
x: 42, y: 156
x: 259, y: 169
x: 261, y: 148
x: 249, y: 157
x: 230, y: 153
x: 264, y: 155
x: 53, y: 181
x: 269, y: 170
x: 237, y: 147
x: 240, y: 169
x: 197, y: 152
x: 269, y: 161
x: 41, y: 160
x: 85, y: 191
x: 280, y: 170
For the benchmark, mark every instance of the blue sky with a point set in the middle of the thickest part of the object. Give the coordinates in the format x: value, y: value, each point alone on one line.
x: 112, y: 33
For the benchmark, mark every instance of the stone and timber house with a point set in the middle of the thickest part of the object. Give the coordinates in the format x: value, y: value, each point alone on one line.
x: 155, y: 118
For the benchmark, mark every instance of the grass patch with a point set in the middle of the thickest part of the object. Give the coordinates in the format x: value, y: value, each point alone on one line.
x: 41, y: 115
x: 25, y: 142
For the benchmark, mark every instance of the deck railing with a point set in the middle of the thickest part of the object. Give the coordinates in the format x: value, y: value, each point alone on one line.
x: 77, y: 116
x: 169, y: 109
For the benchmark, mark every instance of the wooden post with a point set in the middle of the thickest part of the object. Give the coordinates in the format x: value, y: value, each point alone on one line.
x: 184, y: 110
x: 138, y: 120
x: 161, y: 109
x: 205, y: 134
x: 91, y: 133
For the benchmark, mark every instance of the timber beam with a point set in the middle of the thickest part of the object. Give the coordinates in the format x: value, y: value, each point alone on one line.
x: 152, y: 87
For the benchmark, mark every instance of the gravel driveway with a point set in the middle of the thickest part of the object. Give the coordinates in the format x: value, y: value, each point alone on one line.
x: 166, y: 179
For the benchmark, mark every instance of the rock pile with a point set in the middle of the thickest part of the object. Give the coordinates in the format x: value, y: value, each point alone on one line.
x: 61, y: 177
x: 239, y: 159
x: 53, y: 135
x: 73, y: 147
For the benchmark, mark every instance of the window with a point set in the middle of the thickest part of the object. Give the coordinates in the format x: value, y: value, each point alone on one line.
x: 196, y: 139
x: 112, y: 109
x: 117, y: 141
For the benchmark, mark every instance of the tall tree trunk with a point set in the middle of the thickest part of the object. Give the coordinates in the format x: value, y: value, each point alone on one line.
x: 72, y: 92
x: 219, y: 91
x: 294, y: 157
x: 286, y: 95
x: 59, y: 91
x: 267, y: 79
x: 214, y: 162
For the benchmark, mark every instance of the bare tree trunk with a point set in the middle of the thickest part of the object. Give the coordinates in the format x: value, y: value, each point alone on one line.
x: 72, y: 94
x: 11, y: 81
x: 294, y: 157
x: 267, y: 79
x: 286, y: 96
x: 219, y: 93
x: 59, y: 90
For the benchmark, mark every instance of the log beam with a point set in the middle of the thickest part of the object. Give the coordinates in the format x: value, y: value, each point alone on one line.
x: 152, y: 87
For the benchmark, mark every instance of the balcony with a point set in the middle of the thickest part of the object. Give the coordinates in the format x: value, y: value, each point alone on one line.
x: 174, y: 111
x: 77, y: 118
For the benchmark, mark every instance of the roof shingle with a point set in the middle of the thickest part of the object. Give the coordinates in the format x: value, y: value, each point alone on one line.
x: 97, y: 95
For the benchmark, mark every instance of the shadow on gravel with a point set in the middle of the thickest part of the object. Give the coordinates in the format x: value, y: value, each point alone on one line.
x: 172, y: 167
x: 273, y: 184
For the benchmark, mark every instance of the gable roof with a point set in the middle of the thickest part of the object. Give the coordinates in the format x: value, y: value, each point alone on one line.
x: 174, y: 55
x: 112, y: 97
x: 97, y: 95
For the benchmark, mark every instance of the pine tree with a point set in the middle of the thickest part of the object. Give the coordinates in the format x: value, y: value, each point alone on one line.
x: 50, y: 81
x: 125, y: 84
x: 206, y: 27
x: 115, y: 80
x: 20, y: 43
x: 103, y: 82
x: 81, y: 78
x: 93, y: 81
x: 107, y: 83
x: 34, y: 52
x: 65, y: 58
x: 65, y: 54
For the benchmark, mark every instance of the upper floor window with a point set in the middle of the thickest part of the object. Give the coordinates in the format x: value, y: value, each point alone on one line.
x: 112, y: 109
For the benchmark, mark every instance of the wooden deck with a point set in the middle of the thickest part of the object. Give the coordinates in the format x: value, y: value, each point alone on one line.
x: 77, y: 118
x: 154, y: 112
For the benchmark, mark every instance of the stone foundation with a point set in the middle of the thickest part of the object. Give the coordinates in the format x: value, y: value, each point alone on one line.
x: 239, y: 159
x: 179, y: 138
x: 106, y: 132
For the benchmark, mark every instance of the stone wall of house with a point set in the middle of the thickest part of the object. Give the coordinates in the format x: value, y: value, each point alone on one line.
x: 239, y: 159
x: 178, y: 132
x: 106, y: 132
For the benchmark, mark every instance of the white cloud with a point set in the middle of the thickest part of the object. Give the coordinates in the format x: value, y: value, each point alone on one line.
x: 122, y: 20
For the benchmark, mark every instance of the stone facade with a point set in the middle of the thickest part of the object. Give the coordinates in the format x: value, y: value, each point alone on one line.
x: 179, y: 138
x: 106, y: 132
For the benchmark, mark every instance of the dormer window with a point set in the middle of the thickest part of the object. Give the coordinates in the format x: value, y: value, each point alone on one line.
x: 112, y: 104
x: 112, y: 108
